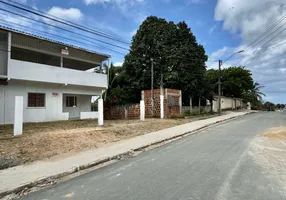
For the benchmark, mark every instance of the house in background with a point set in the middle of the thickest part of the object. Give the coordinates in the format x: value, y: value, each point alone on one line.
x: 54, y: 78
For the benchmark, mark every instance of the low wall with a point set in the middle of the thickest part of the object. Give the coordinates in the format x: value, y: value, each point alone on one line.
x: 227, y: 103
x: 122, y: 112
x: 195, y: 109
x: 172, y: 102
x: 88, y: 115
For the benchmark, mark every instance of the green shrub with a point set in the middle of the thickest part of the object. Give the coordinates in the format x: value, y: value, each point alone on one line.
x: 187, y: 113
x: 177, y: 116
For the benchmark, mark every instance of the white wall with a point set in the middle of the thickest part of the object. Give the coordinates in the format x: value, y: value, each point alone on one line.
x: 88, y: 115
x: 227, y: 103
x: 22, y: 70
x: 238, y: 103
x: 54, y: 104
x: 2, y: 110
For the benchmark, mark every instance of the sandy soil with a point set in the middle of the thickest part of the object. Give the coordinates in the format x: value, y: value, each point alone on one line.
x: 269, y: 150
x: 45, y: 140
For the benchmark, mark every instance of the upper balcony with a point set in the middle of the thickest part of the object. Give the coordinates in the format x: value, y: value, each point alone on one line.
x: 37, y: 59
x: 22, y: 70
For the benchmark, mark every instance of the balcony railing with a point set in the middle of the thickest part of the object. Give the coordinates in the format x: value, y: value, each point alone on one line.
x: 22, y: 70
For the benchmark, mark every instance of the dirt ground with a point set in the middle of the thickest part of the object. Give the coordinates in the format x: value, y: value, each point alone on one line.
x: 45, y: 140
x: 269, y: 151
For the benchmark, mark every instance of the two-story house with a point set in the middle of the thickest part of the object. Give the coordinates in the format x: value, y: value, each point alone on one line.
x: 53, y: 78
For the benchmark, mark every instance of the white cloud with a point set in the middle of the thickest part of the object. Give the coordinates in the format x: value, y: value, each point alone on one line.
x: 266, y: 60
x: 129, y: 9
x: 118, y: 64
x: 123, y: 4
x: 71, y: 14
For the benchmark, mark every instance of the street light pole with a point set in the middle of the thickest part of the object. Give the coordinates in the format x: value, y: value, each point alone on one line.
x: 220, y: 63
x: 219, y: 86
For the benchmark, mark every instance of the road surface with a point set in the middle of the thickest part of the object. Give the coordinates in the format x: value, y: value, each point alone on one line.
x: 213, y: 164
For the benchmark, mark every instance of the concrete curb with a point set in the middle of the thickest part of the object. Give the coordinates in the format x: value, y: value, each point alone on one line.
x: 104, y: 160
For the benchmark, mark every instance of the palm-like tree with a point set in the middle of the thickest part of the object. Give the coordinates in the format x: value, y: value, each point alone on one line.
x: 255, y: 94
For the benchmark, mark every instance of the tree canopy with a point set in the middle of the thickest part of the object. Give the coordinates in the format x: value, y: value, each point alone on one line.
x: 175, y: 53
x: 236, y: 81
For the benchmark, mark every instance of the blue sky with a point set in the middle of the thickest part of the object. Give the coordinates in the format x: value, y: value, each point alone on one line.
x: 222, y: 27
x: 123, y: 19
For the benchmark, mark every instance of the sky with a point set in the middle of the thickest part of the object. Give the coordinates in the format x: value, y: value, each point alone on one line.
x: 223, y: 27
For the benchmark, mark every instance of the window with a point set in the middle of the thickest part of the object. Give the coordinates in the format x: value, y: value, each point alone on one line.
x: 71, y: 101
x: 36, y: 100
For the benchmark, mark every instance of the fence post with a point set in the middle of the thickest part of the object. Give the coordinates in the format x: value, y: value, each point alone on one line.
x: 100, y: 112
x: 199, y: 105
x: 142, y: 110
x: 162, y: 106
x: 180, y: 102
x: 125, y: 112
x: 191, y: 105
x: 18, y: 116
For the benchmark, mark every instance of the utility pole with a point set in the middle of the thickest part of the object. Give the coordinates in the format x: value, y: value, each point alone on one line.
x: 219, y: 86
x: 152, y: 86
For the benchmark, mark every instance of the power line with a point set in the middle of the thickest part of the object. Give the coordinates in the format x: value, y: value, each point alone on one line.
x: 54, y: 35
x: 64, y: 29
x: 273, y: 37
x: 62, y: 21
x: 281, y: 55
x: 271, y: 46
x: 253, y: 43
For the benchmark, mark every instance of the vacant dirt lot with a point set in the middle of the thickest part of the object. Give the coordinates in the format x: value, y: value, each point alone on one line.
x: 269, y: 151
x: 45, y: 140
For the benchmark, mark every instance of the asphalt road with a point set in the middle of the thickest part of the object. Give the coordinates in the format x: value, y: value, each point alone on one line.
x: 213, y: 164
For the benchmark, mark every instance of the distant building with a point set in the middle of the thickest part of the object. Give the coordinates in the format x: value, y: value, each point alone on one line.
x: 54, y: 78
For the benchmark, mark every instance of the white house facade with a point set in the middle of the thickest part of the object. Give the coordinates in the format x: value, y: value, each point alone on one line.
x: 53, y: 78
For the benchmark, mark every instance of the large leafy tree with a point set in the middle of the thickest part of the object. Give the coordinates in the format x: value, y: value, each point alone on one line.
x: 235, y: 81
x: 175, y: 53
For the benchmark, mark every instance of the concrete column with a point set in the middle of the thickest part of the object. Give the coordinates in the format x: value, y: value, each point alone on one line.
x: 191, y: 105
x: 62, y: 61
x: 199, y: 105
x: 248, y: 105
x: 142, y: 110
x: 162, y: 106
x: 180, y: 102
x: 9, y: 51
x: 100, y: 112
x: 125, y: 112
x: 18, y: 116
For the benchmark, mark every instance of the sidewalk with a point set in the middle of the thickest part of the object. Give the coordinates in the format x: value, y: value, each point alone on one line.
x: 15, y: 178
